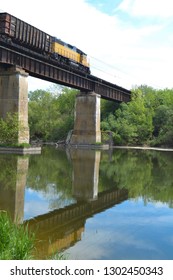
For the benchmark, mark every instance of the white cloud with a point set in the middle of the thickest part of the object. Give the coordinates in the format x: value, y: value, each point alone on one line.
x: 136, y: 52
x: 147, y: 8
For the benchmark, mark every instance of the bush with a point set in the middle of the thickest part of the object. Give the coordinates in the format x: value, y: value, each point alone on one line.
x: 9, y: 129
x: 15, y: 241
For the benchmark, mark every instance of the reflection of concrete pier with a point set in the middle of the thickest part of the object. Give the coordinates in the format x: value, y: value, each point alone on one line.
x: 12, y: 185
x: 62, y: 228
x: 85, y: 173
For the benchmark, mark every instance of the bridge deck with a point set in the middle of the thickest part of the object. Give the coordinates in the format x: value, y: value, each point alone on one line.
x: 40, y: 67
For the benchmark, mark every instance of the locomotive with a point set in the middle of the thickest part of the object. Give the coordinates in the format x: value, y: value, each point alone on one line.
x: 21, y: 34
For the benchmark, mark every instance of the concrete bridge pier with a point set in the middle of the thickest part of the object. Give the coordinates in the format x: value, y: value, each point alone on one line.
x: 87, y: 119
x: 14, y: 98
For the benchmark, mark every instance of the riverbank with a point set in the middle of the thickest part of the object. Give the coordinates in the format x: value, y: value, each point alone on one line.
x: 144, y: 148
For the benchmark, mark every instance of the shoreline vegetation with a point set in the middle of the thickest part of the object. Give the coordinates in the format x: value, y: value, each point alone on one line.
x: 145, y: 121
x: 17, y: 242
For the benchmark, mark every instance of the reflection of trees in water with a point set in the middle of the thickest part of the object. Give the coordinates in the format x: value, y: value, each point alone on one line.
x: 8, y: 171
x: 50, y: 174
x: 143, y: 173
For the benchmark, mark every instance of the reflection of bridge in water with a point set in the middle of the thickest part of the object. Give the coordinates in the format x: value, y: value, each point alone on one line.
x: 61, y: 228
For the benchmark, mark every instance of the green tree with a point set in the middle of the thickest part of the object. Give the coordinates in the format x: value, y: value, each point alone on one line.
x: 42, y: 114
x: 108, y: 107
x: 132, y: 122
x: 146, y: 119
x: 165, y: 135
x: 66, y: 107
x: 51, y: 115
x: 161, y: 104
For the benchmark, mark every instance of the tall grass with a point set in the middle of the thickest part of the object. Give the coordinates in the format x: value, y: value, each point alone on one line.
x: 16, y: 243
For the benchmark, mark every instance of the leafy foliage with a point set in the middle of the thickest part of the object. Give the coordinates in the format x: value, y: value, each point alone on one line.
x: 146, y: 120
x: 9, y: 129
x: 51, y: 115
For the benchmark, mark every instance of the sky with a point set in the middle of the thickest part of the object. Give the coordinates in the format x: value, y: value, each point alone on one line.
x: 128, y: 42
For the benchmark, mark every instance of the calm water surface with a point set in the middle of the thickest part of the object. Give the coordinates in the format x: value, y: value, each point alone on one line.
x: 92, y: 204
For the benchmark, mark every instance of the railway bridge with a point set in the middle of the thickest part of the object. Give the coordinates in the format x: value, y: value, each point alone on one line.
x: 17, y: 61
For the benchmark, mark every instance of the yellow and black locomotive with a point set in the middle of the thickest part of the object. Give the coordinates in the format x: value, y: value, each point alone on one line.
x: 63, y: 51
x: 20, y: 33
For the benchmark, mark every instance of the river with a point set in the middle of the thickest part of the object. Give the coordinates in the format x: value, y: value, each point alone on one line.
x: 95, y: 205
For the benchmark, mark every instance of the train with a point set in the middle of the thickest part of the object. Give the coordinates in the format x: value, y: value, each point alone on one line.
x: 21, y: 34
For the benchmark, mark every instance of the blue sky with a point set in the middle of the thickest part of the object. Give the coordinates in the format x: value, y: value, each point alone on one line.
x: 129, y: 42
x: 107, y: 7
x: 132, y: 231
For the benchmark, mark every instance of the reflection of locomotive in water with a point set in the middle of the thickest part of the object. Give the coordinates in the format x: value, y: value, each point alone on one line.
x: 25, y: 36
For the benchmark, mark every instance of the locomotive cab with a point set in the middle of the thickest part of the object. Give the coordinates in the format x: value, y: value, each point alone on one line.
x: 84, y: 60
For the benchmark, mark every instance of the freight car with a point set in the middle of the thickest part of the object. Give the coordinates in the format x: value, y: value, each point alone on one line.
x: 19, y: 33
